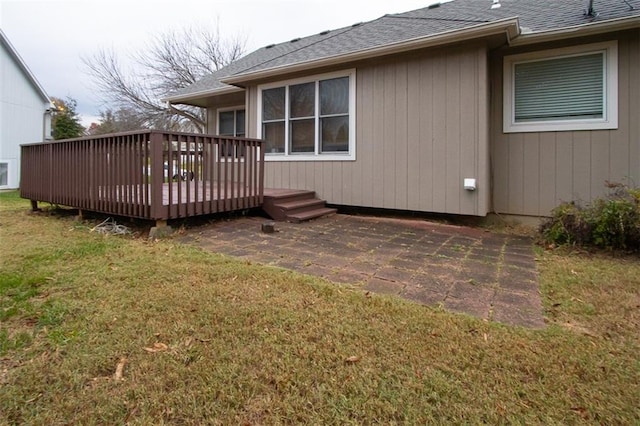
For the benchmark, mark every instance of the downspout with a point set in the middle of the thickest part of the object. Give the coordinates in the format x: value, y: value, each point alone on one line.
x: 46, y: 125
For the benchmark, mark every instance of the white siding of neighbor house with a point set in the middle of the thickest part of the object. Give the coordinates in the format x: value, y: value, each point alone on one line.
x: 422, y: 126
x: 22, y: 114
x: 534, y: 172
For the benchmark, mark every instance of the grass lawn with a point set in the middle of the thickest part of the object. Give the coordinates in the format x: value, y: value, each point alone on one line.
x: 111, y: 330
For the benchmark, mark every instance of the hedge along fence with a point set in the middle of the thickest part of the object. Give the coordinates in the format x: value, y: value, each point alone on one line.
x: 611, y: 222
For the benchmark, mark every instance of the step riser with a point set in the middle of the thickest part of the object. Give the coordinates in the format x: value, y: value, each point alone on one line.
x: 310, y: 205
x: 304, y: 217
x: 291, y: 198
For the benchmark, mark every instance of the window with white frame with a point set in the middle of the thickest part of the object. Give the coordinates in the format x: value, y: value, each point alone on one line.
x: 573, y: 88
x: 312, y: 118
x: 231, y: 122
x: 4, y: 174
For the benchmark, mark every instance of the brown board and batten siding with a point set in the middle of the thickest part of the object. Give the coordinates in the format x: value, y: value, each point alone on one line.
x: 422, y: 126
x: 533, y: 172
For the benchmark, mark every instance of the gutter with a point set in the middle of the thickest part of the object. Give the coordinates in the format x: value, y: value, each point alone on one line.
x: 595, y: 28
x: 509, y: 26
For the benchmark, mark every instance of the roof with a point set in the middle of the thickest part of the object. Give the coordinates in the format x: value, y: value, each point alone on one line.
x: 436, y: 24
x: 23, y: 66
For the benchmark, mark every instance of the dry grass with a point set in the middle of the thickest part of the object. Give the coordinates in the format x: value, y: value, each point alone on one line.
x: 200, y: 338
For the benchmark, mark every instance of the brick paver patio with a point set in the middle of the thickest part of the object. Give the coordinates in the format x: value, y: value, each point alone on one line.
x: 488, y: 275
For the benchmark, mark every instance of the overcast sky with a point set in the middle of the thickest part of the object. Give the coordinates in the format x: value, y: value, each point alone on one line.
x: 51, y: 36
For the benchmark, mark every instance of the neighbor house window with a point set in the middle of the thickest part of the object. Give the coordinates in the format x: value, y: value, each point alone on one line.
x: 311, y: 118
x: 231, y: 122
x: 4, y: 174
x: 563, y: 89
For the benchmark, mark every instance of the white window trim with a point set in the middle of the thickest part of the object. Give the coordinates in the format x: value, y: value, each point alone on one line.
x: 610, y: 119
x: 286, y: 156
x: 224, y: 109
x: 233, y: 108
x: 12, y: 173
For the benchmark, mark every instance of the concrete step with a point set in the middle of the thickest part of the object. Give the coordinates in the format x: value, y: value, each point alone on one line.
x: 310, y: 214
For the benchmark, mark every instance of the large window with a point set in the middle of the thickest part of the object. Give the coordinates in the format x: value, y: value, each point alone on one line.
x: 562, y: 89
x: 309, y: 118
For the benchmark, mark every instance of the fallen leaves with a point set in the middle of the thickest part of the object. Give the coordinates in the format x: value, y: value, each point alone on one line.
x: 157, y: 347
x: 118, y: 376
x: 352, y: 359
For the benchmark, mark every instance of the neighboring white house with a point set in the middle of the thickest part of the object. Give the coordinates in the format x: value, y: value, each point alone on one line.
x: 24, y: 112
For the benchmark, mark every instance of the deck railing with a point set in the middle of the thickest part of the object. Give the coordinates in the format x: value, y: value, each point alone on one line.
x: 150, y: 174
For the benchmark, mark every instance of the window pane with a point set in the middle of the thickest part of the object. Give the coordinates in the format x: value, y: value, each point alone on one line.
x: 302, y: 134
x: 240, y: 123
x: 225, y: 124
x: 4, y: 174
x: 334, y: 96
x: 273, y: 104
x: 560, y: 88
x: 273, y: 133
x: 334, y: 134
x: 302, y: 99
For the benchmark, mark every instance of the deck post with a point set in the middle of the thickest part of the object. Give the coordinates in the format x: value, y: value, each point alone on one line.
x: 157, y: 176
x: 34, y: 206
x: 161, y: 230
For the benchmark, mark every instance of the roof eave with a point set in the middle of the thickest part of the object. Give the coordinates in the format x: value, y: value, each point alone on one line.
x: 25, y: 69
x: 509, y: 26
x: 203, y: 94
x: 595, y: 28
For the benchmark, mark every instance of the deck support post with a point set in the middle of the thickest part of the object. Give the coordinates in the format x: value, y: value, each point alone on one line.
x: 80, y: 214
x: 161, y: 230
x: 34, y: 206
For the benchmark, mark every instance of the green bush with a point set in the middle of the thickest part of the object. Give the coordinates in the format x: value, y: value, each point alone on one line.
x: 611, y: 222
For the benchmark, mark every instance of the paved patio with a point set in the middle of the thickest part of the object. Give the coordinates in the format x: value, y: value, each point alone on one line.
x: 487, y: 275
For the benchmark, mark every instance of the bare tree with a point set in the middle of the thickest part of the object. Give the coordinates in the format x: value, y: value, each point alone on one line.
x: 120, y: 120
x: 173, y: 60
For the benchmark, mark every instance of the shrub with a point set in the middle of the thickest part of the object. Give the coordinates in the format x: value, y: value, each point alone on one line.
x: 611, y: 222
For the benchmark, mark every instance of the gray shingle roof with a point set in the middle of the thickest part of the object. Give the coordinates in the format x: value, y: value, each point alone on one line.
x: 534, y: 16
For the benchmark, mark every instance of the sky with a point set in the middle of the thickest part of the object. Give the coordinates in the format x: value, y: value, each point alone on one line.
x: 52, y: 36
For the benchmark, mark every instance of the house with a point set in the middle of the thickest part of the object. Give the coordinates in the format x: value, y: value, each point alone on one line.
x: 466, y: 107
x: 24, y: 112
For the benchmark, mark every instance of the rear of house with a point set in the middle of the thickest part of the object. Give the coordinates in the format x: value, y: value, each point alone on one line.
x: 460, y: 108
x: 24, y: 112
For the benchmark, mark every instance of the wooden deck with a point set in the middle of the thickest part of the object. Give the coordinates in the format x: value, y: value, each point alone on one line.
x: 125, y: 174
